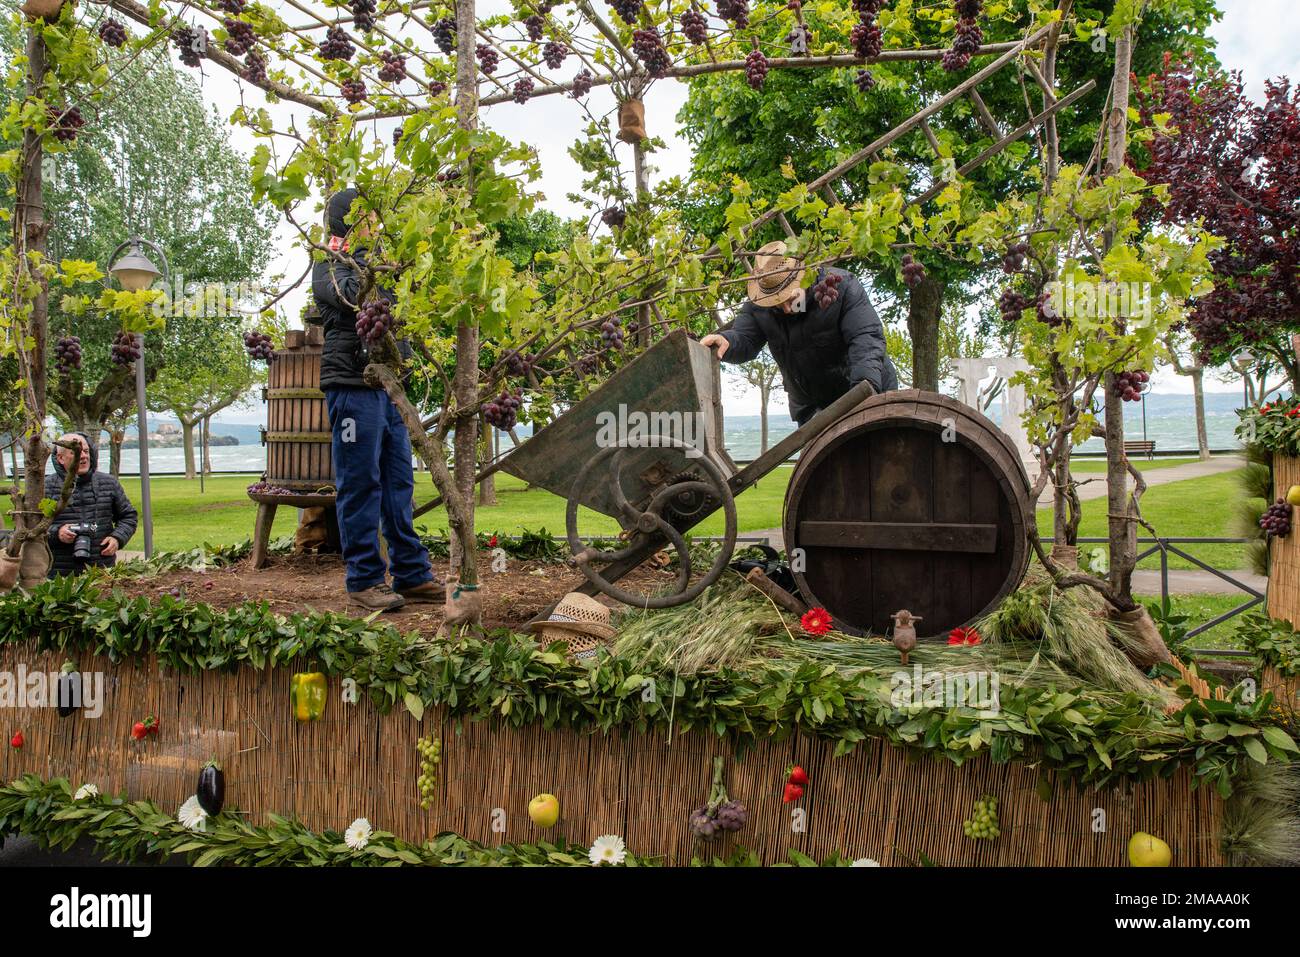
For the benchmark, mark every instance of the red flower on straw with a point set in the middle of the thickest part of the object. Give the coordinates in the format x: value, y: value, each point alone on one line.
x: 816, y: 621
x: 492, y: 542
x: 963, y: 636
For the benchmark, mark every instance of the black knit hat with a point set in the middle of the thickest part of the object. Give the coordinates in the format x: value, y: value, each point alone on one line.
x: 337, y: 209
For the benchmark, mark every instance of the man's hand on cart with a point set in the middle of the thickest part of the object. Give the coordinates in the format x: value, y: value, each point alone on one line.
x: 713, y: 339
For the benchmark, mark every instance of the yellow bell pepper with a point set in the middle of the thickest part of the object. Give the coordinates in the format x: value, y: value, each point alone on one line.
x: 307, y: 692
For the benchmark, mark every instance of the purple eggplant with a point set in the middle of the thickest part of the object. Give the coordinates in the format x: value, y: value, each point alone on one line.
x: 68, y: 690
x: 211, y: 791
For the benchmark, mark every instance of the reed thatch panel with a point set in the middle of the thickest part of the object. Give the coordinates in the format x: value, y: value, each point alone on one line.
x: 893, y: 805
x: 1284, y: 562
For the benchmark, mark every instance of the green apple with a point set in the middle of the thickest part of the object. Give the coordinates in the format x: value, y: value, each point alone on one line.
x: 544, y: 810
x: 1147, y: 850
x: 1293, y: 495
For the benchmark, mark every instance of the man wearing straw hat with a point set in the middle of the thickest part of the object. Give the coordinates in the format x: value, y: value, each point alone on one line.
x: 822, y: 351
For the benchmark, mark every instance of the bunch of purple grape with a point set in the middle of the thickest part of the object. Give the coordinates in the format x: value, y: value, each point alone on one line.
x: 266, y: 488
x: 374, y: 318
x: 354, y: 91
x: 336, y: 45
x: 554, y: 53
x: 65, y: 124
x: 1047, y: 313
x: 126, y: 349
x: 533, y: 25
x: 503, y: 411
x: 737, y: 11
x: 582, y: 84
x: 587, y: 365
x: 363, y: 14
x: 67, y: 354
x: 233, y: 7
x: 112, y: 32
x: 1013, y: 260
x: 1128, y: 385
x: 614, y: 216
x: 254, y: 70
x: 913, y: 271
x: 258, y: 345
x: 1012, y: 305
x: 517, y: 363
x: 695, y: 26
x: 444, y: 34
x: 649, y: 48
x: 756, y: 69
x: 611, y: 333
x: 968, y: 37
x: 867, y: 39
x: 393, y: 69
x: 239, y: 36
x: 522, y: 90
x: 1276, y: 520
x: 628, y: 10
x: 437, y: 88
x: 487, y: 58
x: 865, y: 80
x: 826, y: 290
x: 729, y: 816
x: 191, y: 44
x: 397, y: 135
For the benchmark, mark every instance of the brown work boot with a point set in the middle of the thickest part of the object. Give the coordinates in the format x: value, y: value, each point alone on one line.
x: 377, y: 598
x: 425, y: 593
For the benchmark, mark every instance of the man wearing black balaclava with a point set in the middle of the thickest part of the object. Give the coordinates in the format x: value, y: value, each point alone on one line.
x: 371, y: 447
x: 97, y: 521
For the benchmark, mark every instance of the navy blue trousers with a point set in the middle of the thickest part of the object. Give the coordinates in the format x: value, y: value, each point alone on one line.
x: 376, y: 483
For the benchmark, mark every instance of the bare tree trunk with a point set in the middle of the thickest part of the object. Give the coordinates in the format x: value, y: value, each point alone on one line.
x: 765, y: 392
x: 487, y: 488
x: 205, y: 462
x: 1198, y: 395
x: 115, y: 438
x: 925, y: 306
x: 187, y: 428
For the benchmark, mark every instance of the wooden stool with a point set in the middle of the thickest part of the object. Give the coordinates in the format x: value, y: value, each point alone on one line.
x: 266, y: 507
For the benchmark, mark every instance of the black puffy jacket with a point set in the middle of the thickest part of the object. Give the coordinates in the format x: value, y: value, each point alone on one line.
x: 822, y: 353
x: 97, y: 499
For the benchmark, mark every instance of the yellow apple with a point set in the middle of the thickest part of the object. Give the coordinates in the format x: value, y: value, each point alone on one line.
x: 1147, y: 850
x: 544, y: 810
x: 1293, y: 495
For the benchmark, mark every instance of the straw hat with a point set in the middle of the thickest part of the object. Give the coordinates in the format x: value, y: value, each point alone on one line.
x: 579, y: 621
x: 781, y: 281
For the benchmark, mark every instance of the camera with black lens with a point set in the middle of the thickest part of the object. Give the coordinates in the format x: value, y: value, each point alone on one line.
x: 85, y: 545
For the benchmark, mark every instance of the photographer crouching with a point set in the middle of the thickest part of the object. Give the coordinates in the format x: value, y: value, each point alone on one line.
x: 98, y: 519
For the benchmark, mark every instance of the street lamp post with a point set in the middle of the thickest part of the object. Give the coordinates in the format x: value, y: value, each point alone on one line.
x: 135, y: 272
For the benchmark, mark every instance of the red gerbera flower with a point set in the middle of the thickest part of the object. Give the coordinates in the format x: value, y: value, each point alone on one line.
x: 963, y: 636
x: 492, y: 542
x: 816, y: 621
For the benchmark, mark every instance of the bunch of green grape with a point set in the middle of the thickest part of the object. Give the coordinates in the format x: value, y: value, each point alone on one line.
x: 984, y: 822
x: 430, y: 749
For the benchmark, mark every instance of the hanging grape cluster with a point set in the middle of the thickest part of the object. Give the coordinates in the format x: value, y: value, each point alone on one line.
x: 865, y: 80
x: 522, y: 90
x: 233, y: 7
x: 756, y: 68
x: 968, y: 38
x: 614, y: 216
x: 437, y: 88
x: 239, y: 36
x: 444, y: 34
x: 587, y: 365
x: 695, y: 26
x: 983, y: 824
x: 430, y: 751
x: 628, y: 10
x: 1013, y: 260
x: 649, y: 48
x: 336, y: 45
x: 190, y: 43
x: 1276, y: 520
x: 397, y: 135
x: 582, y: 84
x: 503, y: 411
x: 112, y: 32
x: 374, y: 318
x: 392, y: 68
x: 258, y: 345
x: 1129, y: 385
x: 67, y: 354
x: 517, y: 363
x: 913, y: 271
x: 534, y: 25
x: 1047, y: 313
x: 254, y: 70
x: 611, y: 333
x: 1012, y: 305
x: 354, y: 91
x: 866, y: 36
x: 125, y: 349
x: 826, y: 290
x: 554, y: 53
x: 487, y: 58
x: 65, y: 124
x: 363, y: 14
x: 737, y: 11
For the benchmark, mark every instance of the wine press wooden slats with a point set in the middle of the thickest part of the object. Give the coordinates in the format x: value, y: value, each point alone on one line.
x: 297, y: 434
x: 913, y: 501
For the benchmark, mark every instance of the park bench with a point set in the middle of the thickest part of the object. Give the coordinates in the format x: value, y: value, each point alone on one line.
x: 1140, y: 447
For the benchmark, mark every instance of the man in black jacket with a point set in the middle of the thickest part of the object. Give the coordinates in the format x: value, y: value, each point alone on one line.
x: 372, y: 450
x: 98, y: 519
x: 822, y: 352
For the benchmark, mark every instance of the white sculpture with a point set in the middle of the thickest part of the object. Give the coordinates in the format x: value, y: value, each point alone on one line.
x: 969, y: 373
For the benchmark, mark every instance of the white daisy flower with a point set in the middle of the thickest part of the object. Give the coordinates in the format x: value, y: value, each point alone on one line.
x: 85, y: 791
x: 357, y: 836
x: 192, y: 814
x: 865, y: 862
x: 608, y: 849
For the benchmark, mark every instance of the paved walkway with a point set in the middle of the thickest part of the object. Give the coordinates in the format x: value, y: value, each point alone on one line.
x: 1096, y: 488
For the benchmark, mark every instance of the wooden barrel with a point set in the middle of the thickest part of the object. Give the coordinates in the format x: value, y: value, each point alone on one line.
x: 297, y: 435
x: 912, y: 500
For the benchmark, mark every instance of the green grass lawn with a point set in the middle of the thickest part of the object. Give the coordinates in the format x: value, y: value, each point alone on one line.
x: 1093, y: 466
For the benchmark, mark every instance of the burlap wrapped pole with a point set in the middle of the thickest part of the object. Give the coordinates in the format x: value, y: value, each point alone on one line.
x: 631, y: 121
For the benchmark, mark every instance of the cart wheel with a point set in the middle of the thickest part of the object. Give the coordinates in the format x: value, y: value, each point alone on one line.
x: 608, y: 463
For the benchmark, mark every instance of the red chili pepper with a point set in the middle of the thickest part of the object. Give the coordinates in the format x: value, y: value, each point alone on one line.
x: 17, y: 740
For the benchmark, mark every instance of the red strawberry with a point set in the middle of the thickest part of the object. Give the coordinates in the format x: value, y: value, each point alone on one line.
x: 138, y: 731
x: 17, y: 740
x: 797, y: 775
x: 793, y: 792
x: 151, y: 724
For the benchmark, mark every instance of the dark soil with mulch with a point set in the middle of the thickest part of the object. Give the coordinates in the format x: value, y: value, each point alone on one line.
x: 300, y: 583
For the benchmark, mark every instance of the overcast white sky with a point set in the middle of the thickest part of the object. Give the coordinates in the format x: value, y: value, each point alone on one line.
x: 1258, y: 37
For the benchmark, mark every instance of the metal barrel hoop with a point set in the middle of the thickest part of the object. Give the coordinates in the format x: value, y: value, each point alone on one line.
x: 651, y: 520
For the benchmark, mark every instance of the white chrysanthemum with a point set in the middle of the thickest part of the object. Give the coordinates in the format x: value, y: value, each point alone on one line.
x: 192, y: 814
x: 608, y: 849
x: 357, y: 836
x: 865, y: 862
x: 85, y: 791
